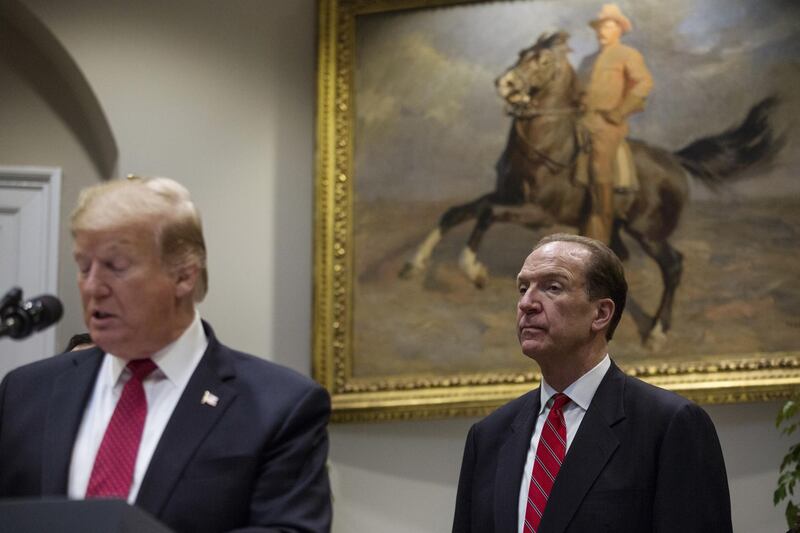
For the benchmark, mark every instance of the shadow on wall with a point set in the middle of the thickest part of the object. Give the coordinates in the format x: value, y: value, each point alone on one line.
x: 35, y: 53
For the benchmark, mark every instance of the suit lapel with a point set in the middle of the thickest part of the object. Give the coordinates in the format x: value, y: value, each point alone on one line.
x: 188, y: 426
x: 511, y: 463
x: 63, y: 418
x: 589, y: 453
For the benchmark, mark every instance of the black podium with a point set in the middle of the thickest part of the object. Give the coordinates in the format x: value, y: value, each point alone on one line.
x: 76, y: 516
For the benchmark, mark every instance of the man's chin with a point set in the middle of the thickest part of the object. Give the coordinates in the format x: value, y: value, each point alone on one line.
x: 531, y: 348
x: 106, y: 341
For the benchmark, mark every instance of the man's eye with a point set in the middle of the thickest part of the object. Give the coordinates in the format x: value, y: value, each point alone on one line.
x: 117, y: 265
x: 523, y: 289
x: 554, y: 287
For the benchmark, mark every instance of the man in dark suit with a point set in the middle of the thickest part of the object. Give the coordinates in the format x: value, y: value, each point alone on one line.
x: 160, y: 413
x: 592, y: 449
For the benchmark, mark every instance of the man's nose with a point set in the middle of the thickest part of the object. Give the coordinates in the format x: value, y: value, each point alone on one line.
x: 94, y: 282
x: 529, y: 303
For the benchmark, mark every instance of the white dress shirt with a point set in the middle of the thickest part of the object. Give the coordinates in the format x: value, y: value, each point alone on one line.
x: 162, y: 388
x: 581, y: 393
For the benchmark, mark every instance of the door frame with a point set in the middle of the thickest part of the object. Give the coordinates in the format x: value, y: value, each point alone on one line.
x: 47, y: 180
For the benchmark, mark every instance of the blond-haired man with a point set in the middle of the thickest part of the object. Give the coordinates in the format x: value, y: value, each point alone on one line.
x: 160, y: 413
x: 618, y: 87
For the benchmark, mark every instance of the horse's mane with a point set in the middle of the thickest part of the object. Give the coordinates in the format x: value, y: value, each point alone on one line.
x: 556, y: 40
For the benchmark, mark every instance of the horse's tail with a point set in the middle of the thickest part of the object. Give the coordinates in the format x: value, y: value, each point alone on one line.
x: 716, y: 159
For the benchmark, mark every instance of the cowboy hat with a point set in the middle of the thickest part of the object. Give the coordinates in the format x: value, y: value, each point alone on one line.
x: 612, y: 12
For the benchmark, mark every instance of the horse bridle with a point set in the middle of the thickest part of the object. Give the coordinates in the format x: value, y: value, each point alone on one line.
x: 529, y: 110
x: 551, y: 164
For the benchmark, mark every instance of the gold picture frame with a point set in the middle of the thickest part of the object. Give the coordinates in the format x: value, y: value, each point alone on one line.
x: 376, y: 386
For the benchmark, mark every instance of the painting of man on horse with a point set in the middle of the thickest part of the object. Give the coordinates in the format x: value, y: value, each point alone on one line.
x: 536, y: 183
x: 691, y: 151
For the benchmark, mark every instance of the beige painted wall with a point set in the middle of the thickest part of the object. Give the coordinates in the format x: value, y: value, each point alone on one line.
x: 220, y: 95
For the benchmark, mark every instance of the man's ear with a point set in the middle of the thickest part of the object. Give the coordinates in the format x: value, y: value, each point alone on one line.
x: 604, y: 312
x: 186, y: 277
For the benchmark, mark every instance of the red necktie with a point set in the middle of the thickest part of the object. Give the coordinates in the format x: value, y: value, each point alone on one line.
x: 112, y: 473
x: 549, y: 455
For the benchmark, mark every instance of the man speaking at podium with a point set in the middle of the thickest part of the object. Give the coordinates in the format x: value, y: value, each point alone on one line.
x: 160, y: 413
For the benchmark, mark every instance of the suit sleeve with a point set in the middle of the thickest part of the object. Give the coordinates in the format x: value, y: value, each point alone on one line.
x: 292, y: 492
x: 692, y: 486
x: 462, y: 521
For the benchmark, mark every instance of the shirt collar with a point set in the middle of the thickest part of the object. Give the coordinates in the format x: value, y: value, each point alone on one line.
x: 176, y: 360
x: 580, y: 391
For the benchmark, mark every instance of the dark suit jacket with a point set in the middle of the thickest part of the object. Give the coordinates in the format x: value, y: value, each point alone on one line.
x: 643, y: 459
x: 255, y: 461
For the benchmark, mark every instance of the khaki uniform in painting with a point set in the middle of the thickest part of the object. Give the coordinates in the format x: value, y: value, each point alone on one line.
x: 618, y: 87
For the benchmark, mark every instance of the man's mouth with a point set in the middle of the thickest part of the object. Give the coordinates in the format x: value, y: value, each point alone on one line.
x: 530, y: 329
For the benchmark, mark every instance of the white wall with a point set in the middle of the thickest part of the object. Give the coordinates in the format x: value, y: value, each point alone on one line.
x: 220, y: 95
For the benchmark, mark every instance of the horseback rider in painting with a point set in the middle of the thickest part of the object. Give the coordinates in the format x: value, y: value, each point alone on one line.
x: 537, y: 175
x: 618, y: 87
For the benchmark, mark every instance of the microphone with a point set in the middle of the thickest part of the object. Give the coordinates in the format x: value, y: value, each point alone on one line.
x: 21, y: 320
x: 11, y: 298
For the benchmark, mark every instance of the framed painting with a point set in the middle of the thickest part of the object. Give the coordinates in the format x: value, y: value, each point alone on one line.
x: 412, y: 319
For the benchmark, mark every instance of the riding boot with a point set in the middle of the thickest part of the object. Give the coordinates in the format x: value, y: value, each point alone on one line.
x: 601, y: 218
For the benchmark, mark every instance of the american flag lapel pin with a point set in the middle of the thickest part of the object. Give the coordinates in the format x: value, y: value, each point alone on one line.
x: 209, y: 399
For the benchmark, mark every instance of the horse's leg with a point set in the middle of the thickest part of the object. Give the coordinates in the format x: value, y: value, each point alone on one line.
x: 617, y: 244
x: 468, y: 260
x: 529, y: 215
x: 670, y: 263
x: 451, y: 218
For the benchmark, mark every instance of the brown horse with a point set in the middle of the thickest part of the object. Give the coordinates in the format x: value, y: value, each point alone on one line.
x: 535, y: 185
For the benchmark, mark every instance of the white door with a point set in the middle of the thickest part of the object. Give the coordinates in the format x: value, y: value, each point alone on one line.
x: 29, y: 221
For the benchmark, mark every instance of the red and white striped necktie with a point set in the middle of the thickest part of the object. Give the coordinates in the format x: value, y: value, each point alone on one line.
x: 549, y: 455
